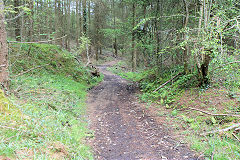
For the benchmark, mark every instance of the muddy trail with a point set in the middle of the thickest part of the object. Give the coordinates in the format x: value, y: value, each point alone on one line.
x: 123, y: 130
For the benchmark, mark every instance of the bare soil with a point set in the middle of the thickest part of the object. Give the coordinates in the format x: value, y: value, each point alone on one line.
x: 124, y: 129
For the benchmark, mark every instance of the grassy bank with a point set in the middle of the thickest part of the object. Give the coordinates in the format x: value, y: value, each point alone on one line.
x: 45, y: 116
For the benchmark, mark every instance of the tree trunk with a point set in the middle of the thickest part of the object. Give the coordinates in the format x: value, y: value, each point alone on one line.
x: 58, y: 25
x: 185, y: 52
x: 30, y: 38
x: 203, y: 58
x: 18, y: 21
x: 158, y: 37
x: 68, y: 21
x: 96, y: 52
x: 3, y: 49
x: 114, y: 26
x: 134, y: 53
x: 84, y: 17
x: 97, y: 26
x: 77, y: 24
x: 204, y: 70
x: 89, y: 25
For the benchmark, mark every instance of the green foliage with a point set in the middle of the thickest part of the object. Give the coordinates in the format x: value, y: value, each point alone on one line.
x: 227, y: 75
x: 149, y: 81
x: 85, y: 41
x: 49, y: 58
x: 167, y: 94
x: 54, y: 107
x: 111, y: 33
x: 47, y: 106
x: 220, y: 146
x: 132, y: 76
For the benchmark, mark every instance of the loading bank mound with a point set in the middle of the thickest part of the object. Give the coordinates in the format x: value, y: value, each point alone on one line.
x: 124, y: 129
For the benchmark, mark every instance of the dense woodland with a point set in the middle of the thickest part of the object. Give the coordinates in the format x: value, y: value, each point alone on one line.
x: 168, y: 45
x: 164, y: 34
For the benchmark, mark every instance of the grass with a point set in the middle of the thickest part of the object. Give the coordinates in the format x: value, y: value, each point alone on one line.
x: 45, y: 116
x: 191, y: 124
x: 132, y: 76
x: 149, y: 81
x: 174, y: 101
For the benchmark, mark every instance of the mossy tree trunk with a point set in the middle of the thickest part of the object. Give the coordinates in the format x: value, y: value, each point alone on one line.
x: 203, y: 58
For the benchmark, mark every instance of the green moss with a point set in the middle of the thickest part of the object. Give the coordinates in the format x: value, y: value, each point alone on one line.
x: 8, y: 112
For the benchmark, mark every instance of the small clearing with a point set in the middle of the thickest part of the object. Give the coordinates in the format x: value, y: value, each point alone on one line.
x: 124, y: 129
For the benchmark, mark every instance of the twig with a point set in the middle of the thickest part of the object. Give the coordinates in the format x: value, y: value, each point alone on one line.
x: 234, y: 135
x: 168, y: 82
x: 30, y: 70
x: 237, y: 129
x: 223, y: 130
x: 212, y: 114
x: 77, y: 60
x: 12, y: 128
x: 212, y: 157
x: 37, y: 41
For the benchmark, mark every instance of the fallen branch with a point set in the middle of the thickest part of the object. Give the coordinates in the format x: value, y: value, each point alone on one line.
x: 6, y: 127
x: 237, y: 129
x: 223, y: 130
x: 24, y: 72
x: 77, y: 60
x: 37, y: 41
x: 168, y: 82
x: 212, y: 114
x: 235, y: 136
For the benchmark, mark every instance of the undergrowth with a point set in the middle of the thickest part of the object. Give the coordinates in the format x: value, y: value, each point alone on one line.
x: 149, y: 81
x: 44, y: 118
x: 175, y: 99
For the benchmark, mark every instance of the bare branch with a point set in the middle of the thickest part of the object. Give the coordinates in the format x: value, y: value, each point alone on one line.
x: 30, y: 70
x: 212, y: 114
x: 168, y: 82
x: 38, y: 41
x: 223, y: 130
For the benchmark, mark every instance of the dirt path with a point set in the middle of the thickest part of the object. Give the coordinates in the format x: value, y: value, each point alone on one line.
x: 123, y: 130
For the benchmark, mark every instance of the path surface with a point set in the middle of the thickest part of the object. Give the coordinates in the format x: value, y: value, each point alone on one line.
x: 123, y: 131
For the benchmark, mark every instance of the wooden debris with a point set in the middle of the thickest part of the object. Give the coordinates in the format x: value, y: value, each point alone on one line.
x: 235, y: 136
x: 24, y: 72
x: 222, y: 130
x: 212, y: 114
x: 168, y: 82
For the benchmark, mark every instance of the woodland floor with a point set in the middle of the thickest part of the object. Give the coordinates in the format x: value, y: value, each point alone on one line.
x: 125, y: 129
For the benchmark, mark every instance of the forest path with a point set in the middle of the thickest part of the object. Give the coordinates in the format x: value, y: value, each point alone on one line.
x: 123, y: 130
